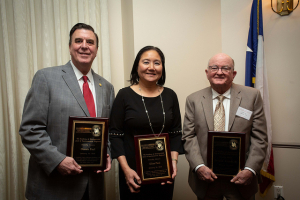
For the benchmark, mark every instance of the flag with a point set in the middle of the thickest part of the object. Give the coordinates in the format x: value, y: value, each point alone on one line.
x: 256, y: 76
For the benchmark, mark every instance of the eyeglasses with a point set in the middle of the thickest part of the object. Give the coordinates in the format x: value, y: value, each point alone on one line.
x: 224, y: 69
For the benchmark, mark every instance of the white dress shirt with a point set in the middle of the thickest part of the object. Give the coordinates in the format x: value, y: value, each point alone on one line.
x: 90, y: 81
x: 226, y: 104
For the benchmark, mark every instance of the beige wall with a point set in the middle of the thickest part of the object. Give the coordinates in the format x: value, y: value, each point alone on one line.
x: 189, y: 32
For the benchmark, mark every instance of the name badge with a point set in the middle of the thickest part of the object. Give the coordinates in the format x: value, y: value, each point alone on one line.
x: 244, y: 113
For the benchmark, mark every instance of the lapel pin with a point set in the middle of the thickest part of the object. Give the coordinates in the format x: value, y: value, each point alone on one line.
x: 100, y: 84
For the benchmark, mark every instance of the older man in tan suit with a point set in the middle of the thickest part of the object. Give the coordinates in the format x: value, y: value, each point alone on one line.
x: 200, y: 111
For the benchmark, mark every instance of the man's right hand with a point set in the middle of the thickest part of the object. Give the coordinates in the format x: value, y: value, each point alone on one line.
x: 69, y: 167
x: 205, y: 174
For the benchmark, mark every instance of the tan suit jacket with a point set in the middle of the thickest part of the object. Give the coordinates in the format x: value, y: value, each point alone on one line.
x: 199, y: 120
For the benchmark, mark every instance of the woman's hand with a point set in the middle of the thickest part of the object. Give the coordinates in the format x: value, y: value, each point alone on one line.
x: 174, y: 164
x: 174, y: 155
x: 130, y: 175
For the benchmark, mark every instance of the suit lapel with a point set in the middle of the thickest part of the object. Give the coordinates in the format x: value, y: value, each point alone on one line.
x: 71, y: 80
x: 207, y: 106
x: 99, y: 93
x: 235, y: 101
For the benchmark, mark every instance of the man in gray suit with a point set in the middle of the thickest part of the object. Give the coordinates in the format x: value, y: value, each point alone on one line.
x: 199, y: 118
x: 56, y: 93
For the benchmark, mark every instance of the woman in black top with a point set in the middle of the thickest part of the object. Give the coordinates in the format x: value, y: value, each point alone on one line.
x: 146, y: 107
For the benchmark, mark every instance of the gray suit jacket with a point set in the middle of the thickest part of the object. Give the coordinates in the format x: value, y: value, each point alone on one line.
x: 53, y: 97
x: 199, y: 120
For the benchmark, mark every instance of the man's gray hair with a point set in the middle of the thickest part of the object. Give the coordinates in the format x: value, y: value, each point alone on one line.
x: 229, y: 56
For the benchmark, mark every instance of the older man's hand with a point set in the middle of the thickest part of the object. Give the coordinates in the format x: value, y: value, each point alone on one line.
x: 206, y: 174
x: 244, y: 177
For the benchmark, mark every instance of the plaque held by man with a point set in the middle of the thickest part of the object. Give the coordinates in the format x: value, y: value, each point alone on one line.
x: 225, y: 153
x: 153, y: 158
x: 87, y: 141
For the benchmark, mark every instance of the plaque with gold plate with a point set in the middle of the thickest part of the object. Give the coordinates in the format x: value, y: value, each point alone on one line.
x: 226, y: 153
x: 153, y: 158
x: 87, y: 141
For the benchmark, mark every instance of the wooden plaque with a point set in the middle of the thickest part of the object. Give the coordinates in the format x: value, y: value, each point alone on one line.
x: 226, y: 153
x: 153, y: 158
x: 87, y: 141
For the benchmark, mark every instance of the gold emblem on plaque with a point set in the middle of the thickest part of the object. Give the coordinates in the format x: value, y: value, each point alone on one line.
x: 96, y: 130
x: 233, y: 144
x: 159, y: 145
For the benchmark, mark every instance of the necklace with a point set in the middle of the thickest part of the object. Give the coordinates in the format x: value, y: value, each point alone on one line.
x: 162, y: 105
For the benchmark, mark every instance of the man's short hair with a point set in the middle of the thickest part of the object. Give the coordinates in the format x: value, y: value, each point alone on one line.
x: 82, y: 26
x: 231, y: 60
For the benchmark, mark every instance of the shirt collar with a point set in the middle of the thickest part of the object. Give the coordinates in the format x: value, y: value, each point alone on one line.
x: 79, y: 75
x: 226, y: 94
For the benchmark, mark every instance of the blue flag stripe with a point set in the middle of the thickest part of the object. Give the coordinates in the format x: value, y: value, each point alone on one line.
x: 255, y: 29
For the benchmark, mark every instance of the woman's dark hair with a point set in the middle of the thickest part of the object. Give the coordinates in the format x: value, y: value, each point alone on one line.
x: 134, y: 76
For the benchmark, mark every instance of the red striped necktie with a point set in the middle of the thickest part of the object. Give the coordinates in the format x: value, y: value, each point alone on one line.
x: 88, y: 97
